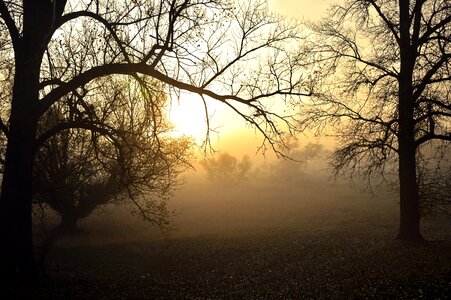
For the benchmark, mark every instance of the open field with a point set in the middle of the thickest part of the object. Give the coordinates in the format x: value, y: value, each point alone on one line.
x: 341, y: 246
x: 341, y: 263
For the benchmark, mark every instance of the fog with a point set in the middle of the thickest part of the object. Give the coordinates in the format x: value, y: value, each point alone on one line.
x: 227, y: 195
x: 247, y: 225
x: 272, y: 195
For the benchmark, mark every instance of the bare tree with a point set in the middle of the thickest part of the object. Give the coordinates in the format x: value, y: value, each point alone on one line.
x: 130, y: 159
x: 236, y: 54
x: 382, y: 69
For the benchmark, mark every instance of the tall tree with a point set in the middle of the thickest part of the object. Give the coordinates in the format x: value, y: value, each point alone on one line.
x: 383, y: 82
x: 236, y: 54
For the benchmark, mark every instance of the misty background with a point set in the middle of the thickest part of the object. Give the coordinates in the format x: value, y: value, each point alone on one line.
x: 228, y: 194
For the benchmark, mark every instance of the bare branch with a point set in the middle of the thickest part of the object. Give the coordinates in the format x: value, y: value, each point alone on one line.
x: 10, y: 24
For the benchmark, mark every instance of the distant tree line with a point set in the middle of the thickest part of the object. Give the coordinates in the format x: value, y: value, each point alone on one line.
x: 226, y: 169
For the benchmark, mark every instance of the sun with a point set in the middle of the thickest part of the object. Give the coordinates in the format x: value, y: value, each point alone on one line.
x: 189, y: 118
x: 187, y: 115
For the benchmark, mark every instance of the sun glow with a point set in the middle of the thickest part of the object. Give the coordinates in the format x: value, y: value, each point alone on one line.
x: 187, y: 114
x: 228, y: 130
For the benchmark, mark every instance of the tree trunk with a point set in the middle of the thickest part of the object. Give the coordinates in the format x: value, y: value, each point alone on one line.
x: 409, y: 200
x: 16, y: 254
x: 17, y: 263
x: 409, y: 228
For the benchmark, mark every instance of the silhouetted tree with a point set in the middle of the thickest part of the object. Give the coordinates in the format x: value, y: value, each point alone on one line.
x: 236, y: 54
x: 132, y: 159
x: 383, y: 84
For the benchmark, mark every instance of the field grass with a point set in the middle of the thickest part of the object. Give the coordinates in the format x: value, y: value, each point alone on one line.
x: 341, y: 263
x: 329, y: 250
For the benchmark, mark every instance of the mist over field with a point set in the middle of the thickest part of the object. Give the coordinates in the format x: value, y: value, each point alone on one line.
x: 247, y: 227
x: 224, y: 195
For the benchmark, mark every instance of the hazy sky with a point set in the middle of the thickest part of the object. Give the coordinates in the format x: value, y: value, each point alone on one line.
x: 307, y: 9
x: 189, y: 116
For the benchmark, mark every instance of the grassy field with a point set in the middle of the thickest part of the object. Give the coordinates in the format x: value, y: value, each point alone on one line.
x: 340, y: 263
x: 256, y: 249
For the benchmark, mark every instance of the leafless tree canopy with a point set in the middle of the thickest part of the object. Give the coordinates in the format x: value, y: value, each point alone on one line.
x: 382, y: 69
x: 357, y: 53
x: 236, y: 53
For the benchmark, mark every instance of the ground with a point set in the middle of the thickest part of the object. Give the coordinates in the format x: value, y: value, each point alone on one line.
x: 344, y: 263
x: 336, y: 246
x: 254, y: 268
